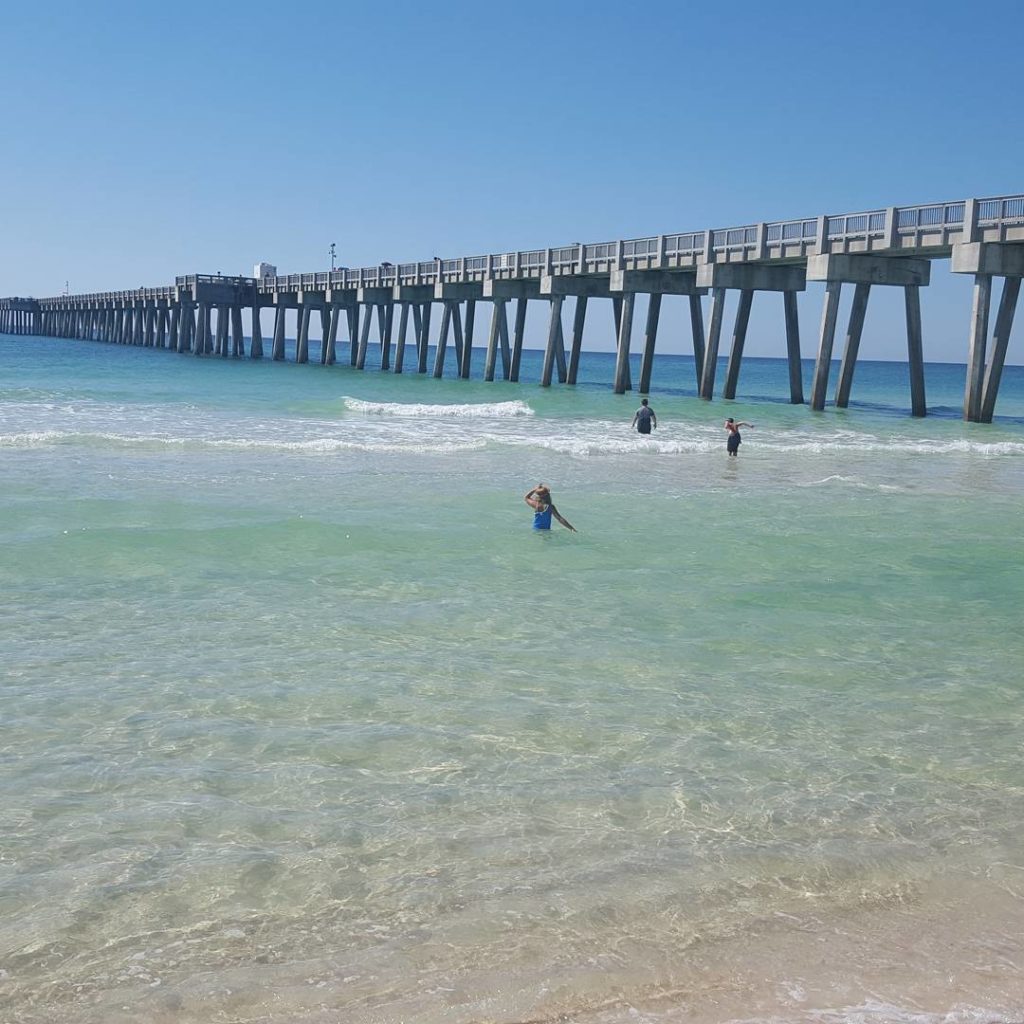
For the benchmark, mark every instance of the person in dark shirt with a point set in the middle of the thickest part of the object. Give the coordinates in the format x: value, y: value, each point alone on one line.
x: 644, y: 418
x: 732, y: 442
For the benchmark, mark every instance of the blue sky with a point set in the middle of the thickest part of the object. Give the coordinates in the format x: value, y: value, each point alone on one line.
x: 145, y: 141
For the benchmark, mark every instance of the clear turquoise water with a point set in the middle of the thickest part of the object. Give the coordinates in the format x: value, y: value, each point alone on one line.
x: 302, y: 722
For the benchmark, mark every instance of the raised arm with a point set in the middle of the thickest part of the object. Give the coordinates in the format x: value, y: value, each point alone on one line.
x: 565, y: 522
x: 530, y: 499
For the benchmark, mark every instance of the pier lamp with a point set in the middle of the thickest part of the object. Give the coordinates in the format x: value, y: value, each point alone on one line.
x: 331, y: 251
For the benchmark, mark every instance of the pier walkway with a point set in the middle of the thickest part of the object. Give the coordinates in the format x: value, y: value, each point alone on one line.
x: 893, y: 247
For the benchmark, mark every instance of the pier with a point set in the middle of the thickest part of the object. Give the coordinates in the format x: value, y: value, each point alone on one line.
x: 892, y: 247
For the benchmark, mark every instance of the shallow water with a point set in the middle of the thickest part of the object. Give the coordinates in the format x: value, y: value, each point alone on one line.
x: 301, y: 721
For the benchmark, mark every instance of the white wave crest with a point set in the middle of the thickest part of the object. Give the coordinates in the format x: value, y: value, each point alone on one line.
x: 311, y: 446
x: 480, y: 410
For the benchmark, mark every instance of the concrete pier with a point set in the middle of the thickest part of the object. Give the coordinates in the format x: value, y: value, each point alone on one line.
x: 894, y: 246
x: 748, y: 279
x: 987, y: 261
x: 865, y: 271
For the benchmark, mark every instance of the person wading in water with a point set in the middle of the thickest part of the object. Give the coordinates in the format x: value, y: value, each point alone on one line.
x: 732, y: 442
x: 644, y: 418
x: 539, y: 499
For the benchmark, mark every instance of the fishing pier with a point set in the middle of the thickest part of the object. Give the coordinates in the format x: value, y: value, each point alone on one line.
x: 890, y: 247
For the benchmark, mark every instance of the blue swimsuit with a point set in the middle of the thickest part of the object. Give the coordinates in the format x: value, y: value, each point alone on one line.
x: 542, y: 518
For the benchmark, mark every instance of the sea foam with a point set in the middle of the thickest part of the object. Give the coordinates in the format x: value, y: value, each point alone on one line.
x: 478, y: 410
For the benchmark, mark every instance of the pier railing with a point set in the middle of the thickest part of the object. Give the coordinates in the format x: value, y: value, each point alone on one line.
x: 929, y: 228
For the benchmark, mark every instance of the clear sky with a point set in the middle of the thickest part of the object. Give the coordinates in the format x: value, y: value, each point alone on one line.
x: 141, y: 141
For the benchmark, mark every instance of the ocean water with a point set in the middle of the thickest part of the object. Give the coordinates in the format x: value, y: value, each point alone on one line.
x: 301, y: 722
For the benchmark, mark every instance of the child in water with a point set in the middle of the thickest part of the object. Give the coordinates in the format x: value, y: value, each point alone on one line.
x: 732, y: 442
x: 539, y: 499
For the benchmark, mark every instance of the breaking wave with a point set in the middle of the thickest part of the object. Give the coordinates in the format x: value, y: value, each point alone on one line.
x: 479, y: 410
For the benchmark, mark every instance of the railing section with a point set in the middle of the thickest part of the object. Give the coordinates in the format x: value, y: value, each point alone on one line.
x: 599, y: 257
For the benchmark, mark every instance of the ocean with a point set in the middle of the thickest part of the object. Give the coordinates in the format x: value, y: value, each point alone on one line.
x: 301, y: 722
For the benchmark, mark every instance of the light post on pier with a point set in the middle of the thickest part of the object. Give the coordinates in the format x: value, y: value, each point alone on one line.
x: 331, y: 251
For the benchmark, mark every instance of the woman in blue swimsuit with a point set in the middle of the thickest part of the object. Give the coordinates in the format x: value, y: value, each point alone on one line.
x: 539, y: 499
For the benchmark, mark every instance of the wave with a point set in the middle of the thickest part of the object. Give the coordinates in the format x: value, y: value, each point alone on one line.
x: 479, y: 410
x: 587, y: 441
x: 315, y: 445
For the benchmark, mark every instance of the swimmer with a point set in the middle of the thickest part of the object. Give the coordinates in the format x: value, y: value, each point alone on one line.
x: 539, y: 499
x: 732, y: 443
x: 644, y: 418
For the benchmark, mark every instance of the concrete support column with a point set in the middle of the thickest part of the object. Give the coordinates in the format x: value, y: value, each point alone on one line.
x: 915, y: 349
x: 353, y: 333
x: 302, y: 341
x: 650, y: 336
x: 852, y: 346
x: 177, y: 327
x: 830, y: 312
x: 457, y: 333
x: 277, y: 350
x: 150, y: 338
x: 707, y: 380
x: 222, y: 330
x: 208, y: 329
x: 442, y: 341
x: 976, y: 349
x: 492, y: 340
x: 186, y: 326
x: 579, y: 320
x: 739, y: 338
x: 1000, y: 340
x: 256, y: 345
x: 517, y: 339
x: 364, y: 337
x: 403, y: 330
x: 385, y: 339
x: 418, y: 314
x: 796, y: 375
x: 554, y: 339
x: 329, y: 343
x: 465, y: 363
x: 202, y: 343
x: 622, y: 382
x: 325, y: 330
x: 237, y: 336
x: 424, y: 337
